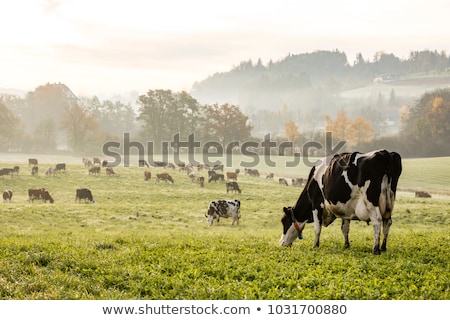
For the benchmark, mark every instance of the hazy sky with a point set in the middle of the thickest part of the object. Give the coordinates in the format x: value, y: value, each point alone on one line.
x: 99, y: 47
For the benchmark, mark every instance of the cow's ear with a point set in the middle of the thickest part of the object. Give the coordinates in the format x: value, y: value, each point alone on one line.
x: 285, y: 210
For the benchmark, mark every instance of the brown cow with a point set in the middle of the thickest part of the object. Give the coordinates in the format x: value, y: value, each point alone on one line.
x: 41, y: 193
x: 232, y: 176
x: 7, y: 195
x: 164, y: 177
x: 94, y: 170
x: 110, y: 171
x: 201, y: 181
x: 32, y: 162
x: 422, y: 194
x: 147, y: 175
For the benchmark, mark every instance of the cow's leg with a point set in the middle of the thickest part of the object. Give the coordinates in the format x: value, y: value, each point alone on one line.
x: 317, y: 227
x: 345, y: 227
x: 376, y: 221
x: 386, y: 227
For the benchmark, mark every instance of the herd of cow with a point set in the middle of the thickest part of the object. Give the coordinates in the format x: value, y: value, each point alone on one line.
x: 348, y: 186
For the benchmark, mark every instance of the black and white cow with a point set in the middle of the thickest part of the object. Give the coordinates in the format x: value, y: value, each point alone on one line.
x: 224, y: 209
x: 350, y: 186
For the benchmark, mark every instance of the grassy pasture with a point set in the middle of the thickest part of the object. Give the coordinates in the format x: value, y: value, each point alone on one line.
x: 68, y: 250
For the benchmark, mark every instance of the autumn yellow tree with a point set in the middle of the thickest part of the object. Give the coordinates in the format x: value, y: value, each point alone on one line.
x: 291, y: 132
x: 340, y: 126
x: 354, y: 131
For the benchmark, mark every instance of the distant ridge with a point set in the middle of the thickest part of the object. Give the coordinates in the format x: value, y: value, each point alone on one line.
x: 13, y: 91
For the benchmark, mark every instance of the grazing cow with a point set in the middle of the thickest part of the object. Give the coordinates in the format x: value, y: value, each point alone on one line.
x: 269, y: 176
x: 16, y: 170
x: 41, y: 194
x: 147, y: 175
x: 233, y: 186
x: 50, y: 171
x: 201, y: 181
x: 6, y: 172
x: 7, y: 195
x: 283, y: 181
x: 160, y: 164
x: 215, y: 177
x: 32, y: 162
x: 191, y: 175
x: 349, y: 186
x: 84, y: 194
x: 143, y: 163
x: 34, y: 171
x: 94, y: 170
x: 225, y: 209
x: 297, y: 182
x: 60, y: 167
x: 252, y: 172
x: 422, y: 194
x: 110, y: 171
x: 232, y: 176
x: 211, y: 173
x: 96, y: 161
x: 164, y: 177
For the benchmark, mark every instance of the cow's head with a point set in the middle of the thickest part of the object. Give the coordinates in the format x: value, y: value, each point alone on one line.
x: 292, y: 229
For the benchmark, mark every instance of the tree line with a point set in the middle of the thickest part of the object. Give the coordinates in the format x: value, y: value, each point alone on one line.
x: 52, y: 118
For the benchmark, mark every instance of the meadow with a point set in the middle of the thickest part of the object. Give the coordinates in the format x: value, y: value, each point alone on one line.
x: 148, y: 240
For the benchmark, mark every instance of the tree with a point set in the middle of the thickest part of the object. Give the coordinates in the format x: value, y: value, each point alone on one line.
x: 44, y: 138
x: 354, y: 131
x: 47, y: 102
x: 226, y: 123
x: 81, y: 128
x: 8, y: 128
x: 114, y: 118
x: 165, y: 113
x: 428, y: 123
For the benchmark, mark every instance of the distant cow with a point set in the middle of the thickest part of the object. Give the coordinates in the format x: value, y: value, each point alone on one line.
x: 269, y: 176
x: 50, y: 171
x: 252, y: 172
x: 233, y: 186
x: 34, y: 171
x: 84, y: 194
x: 232, y: 176
x: 225, y: 209
x: 96, y: 161
x: 94, y: 170
x: 164, y: 177
x: 283, y: 181
x: 147, y: 175
x: 110, y: 171
x: 6, y: 172
x: 60, y: 167
x: 191, y: 175
x: 16, y: 170
x: 143, y: 163
x: 201, y: 181
x: 218, y: 167
x: 32, y: 162
x: 215, y: 177
x: 40, y: 194
x: 297, y: 182
x: 422, y: 194
x: 160, y: 164
x: 7, y: 195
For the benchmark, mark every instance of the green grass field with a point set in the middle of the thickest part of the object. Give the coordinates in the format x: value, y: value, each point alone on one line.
x: 68, y: 250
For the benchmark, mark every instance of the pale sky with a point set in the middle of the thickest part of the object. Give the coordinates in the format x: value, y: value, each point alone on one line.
x: 100, y: 47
